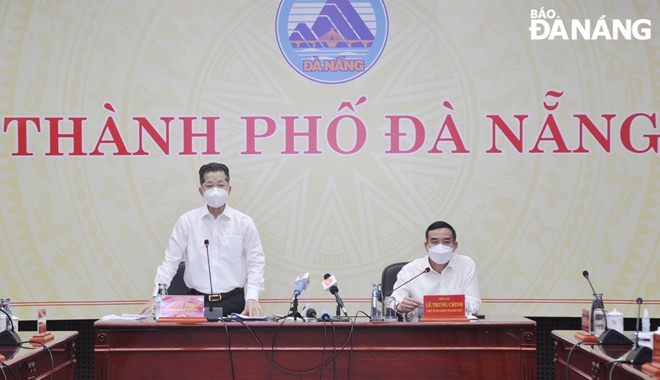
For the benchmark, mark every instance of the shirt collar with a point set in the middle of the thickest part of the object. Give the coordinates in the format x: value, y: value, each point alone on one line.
x: 451, y: 261
x: 228, y: 212
x: 450, y: 264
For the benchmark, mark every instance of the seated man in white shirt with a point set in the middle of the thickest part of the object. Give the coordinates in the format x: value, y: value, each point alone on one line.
x: 234, y: 250
x: 450, y: 273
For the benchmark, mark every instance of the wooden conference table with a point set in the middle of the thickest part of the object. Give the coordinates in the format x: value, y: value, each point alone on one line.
x: 587, y: 359
x: 498, y: 347
x: 32, y: 361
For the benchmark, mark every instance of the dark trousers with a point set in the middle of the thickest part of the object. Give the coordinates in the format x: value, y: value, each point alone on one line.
x: 231, y: 302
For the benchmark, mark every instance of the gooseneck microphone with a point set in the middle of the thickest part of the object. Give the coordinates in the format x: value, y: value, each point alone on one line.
x: 210, y: 313
x: 639, y: 354
x: 639, y: 309
x: 585, y: 273
x: 426, y: 270
x: 330, y: 284
x: 609, y: 336
x: 598, y: 303
x: 208, y: 260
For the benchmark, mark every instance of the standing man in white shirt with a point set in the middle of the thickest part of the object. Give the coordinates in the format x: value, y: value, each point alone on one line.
x: 234, y: 249
x: 450, y: 273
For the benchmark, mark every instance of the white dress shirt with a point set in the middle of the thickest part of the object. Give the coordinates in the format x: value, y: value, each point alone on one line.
x: 237, y: 257
x: 458, y: 277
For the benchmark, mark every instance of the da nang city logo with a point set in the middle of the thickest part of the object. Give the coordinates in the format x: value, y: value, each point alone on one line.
x: 331, y: 41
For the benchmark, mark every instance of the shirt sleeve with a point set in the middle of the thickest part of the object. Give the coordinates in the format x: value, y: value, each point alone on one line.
x: 173, y: 255
x: 403, y: 291
x: 255, y: 261
x: 472, y: 287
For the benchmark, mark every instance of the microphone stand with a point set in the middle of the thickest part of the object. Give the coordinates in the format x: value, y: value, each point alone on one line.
x: 639, y: 354
x: 293, y: 311
x: 209, y: 313
x: 340, y: 305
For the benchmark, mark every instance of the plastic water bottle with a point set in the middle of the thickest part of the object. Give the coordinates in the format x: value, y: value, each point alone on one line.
x: 596, y: 303
x: 376, y: 295
x: 646, y: 321
x: 7, y: 305
x: 10, y: 320
x: 162, y: 291
x: 5, y: 319
x: 599, y: 321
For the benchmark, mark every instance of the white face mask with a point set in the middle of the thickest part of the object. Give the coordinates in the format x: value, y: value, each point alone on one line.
x: 440, y: 254
x: 215, y: 197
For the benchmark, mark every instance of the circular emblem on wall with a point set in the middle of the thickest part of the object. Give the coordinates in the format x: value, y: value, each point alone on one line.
x: 331, y: 41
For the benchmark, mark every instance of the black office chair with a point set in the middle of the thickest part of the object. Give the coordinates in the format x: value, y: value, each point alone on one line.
x: 178, y: 286
x: 388, y: 277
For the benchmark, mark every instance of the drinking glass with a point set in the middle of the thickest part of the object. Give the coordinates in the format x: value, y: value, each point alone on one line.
x: 389, y: 312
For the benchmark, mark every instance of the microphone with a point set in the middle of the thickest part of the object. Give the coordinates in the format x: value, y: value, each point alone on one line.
x: 210, y: 313
x: 310, y: 313
x: 639, y: 354
x: 330, y: 284
x: 426, y: 270
x: 301, y: 284
x: 325, y: 316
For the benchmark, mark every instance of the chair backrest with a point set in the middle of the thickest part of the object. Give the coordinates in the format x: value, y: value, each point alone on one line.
x: 389, y: 277
x: 178, y: 286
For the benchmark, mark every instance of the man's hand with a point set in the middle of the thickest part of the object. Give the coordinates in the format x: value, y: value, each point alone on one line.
x: 148, y: 307
x: 252, y: 308
x: 407, y: 305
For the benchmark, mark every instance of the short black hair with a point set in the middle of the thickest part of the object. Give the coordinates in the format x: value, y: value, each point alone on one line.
x: 438, y: 225
x: 212, y: 167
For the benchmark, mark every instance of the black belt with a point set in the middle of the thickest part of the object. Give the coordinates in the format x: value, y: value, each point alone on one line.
x: 217, y: 296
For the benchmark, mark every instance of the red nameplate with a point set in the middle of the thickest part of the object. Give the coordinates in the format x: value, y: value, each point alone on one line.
x: 184, y: 309
x: 586, y: 321
x: 652, y: 369
x: 656, y: 347
x: 585, y: 334
x: 449, y: 308
x: 586, y: 337
x: 42, y: 338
